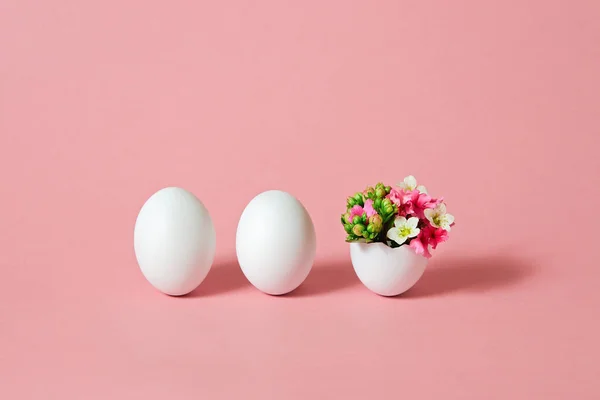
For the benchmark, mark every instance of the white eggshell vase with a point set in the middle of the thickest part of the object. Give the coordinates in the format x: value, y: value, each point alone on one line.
x: 384, y: 270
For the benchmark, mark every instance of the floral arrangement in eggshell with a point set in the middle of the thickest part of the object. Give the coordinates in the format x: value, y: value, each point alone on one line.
x: 404, y: 215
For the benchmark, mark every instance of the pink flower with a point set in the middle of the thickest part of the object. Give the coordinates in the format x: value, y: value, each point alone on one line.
x: 402, y: 200
x: 395, y: 196
x: 369, y: 208
x: 409, y: 195
x: 428, y: 237
x: 354, y: 212
x: 420, y: 202
x: 434, y: 236
x: 405, y: 209
x: 412, y: 202
x: 420, y: 245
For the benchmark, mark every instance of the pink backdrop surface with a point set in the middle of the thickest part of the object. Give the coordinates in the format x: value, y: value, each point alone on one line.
x: 494, y: 105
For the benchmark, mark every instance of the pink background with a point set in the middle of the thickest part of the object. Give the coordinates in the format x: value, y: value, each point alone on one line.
x: 494, y: 105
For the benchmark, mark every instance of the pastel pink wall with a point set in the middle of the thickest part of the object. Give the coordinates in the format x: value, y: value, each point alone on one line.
x: 494, y: 105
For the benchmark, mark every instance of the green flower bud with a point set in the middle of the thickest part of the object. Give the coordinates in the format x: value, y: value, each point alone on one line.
x: 380, y: 192
x: 344, y: 218
x: 358, y: 229
x: 358, y: 197
x: 377, y: 204
x: 388, y: 189
x: 351, y: 202
x: 356, y: 219
x: 371, y: 228
x: 376, y: 220
x: 386, y: 202
x: 348, y: 228
x: 388, y: 209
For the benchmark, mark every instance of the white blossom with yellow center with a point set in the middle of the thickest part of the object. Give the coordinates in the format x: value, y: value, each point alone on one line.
x: 439, y: 218
x: 410, y: 183
x: 403, y: 229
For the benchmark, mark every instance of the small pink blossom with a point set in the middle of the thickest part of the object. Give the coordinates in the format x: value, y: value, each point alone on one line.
x: 420, y: 202
x: 369, y: 208
x: 411, y: 202
x: 402, y: 200
x: 429, y: 237
x: 408, y: 196
x: 354, y: 212
x: 395, y: 196
x: 434, y: 235
x: 405, y: 209
x: 420, y: 245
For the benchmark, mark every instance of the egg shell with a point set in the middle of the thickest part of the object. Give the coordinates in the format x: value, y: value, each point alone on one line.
x: 174, y: 241
x: 275, y: 242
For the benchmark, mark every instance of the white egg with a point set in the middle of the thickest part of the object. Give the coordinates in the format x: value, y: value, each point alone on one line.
x: 174, y: 241
x: 275, y: 242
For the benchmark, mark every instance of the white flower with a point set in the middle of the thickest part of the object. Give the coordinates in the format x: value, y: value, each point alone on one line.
x: 410, y: 183
x: 439, y: 218
x: 403, y: 229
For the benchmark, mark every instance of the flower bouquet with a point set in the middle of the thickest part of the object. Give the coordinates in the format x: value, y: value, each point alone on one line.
x: 392, y: 231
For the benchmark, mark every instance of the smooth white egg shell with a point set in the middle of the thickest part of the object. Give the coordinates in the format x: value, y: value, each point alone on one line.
x: 174, y: 241
x: 275, y: 242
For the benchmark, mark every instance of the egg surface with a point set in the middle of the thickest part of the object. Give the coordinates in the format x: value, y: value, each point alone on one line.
x: 275, y: 242
x: 174, y: 241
